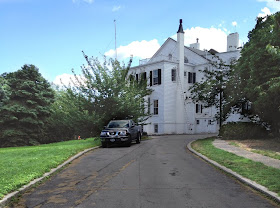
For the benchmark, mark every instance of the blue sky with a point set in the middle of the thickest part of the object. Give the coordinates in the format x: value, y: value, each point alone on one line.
x: 52, y: 33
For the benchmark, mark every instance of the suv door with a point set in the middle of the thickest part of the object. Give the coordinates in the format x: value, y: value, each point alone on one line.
x: 133, y: 130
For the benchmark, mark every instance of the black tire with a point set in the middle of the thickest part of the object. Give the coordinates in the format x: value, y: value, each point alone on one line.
x: 128, y: 143
x: 138, y: 140
x: 103, y: 144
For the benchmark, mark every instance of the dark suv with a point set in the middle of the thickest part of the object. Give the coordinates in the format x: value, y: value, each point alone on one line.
x: 120, y: 132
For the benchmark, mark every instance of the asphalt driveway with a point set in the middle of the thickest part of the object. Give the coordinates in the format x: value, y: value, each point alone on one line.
x: 156, y: 173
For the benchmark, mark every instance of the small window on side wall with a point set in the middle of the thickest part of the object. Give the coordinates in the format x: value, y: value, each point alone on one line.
x: 170, y: 56
x: 198, y: 108
x: 156, y: 128
x: 173, y: 75
x: 155, y: 107
x: 191, y: 77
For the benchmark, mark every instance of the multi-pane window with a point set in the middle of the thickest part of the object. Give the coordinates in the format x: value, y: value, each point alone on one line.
x: 197, y: 121
x: 191, y: 77
x: 156, y: 128
x: 198, y: 108
x: 173, y: 75
x: 155, y: 77
x: 155, y: 107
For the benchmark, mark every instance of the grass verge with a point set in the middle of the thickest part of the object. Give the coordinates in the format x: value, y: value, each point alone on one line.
x: 144, y: 138
x: 255, y: 171
x: 268, y: 153
x: 20, y: 165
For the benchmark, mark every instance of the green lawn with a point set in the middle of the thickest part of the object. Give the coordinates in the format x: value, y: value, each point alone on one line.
x: 255, y: 171
x: 267, y: 153
x: 20, y: 165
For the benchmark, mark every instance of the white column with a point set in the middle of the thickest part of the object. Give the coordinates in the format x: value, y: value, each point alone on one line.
x: 180, y: 109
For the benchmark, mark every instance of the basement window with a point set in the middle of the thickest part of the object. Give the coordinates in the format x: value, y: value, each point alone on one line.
x: 156, y: 128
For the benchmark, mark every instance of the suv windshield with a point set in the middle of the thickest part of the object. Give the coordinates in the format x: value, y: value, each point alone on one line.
x: 118, y: 124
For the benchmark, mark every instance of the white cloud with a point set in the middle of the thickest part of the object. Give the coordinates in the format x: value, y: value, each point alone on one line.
x: 65, y: 79
x: 116, y: 8
x: 208, y: 38
x: 143, y: 49
x: 234, y: 23
x: 265, y: 12
x: 274, y: 5
x: 86, y: 1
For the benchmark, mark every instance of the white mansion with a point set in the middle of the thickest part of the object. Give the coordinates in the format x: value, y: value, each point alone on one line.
x: 170, y: 73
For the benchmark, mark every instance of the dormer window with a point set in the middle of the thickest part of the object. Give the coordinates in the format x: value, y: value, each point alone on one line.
x: 186, y: 60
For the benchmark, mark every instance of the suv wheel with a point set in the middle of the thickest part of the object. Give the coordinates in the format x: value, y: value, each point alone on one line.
x: 138, y: 140
x: 103, y: 144
x: 128, y: 144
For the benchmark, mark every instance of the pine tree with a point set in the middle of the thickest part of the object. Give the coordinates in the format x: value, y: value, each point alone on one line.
x: 24, y: 113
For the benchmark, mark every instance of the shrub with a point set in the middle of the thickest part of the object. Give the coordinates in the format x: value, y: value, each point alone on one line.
x: 242, y: 131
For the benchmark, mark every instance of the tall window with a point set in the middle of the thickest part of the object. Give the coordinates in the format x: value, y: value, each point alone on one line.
x: 155, y: 107
x: 137, y: 78
x: 191, y: 77
x: 198, y: 108
x: 155, y: 77
x: 173, y: 75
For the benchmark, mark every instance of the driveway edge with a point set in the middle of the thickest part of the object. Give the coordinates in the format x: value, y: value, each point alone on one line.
x: 247, y: 181
x: 8, y: 197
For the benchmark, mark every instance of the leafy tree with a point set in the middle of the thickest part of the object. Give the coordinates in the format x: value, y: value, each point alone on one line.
x: 212, y: 91
x: 69, y: 118
x: 258, y: 71
x: 110, y: 92
x: 23, y: 115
